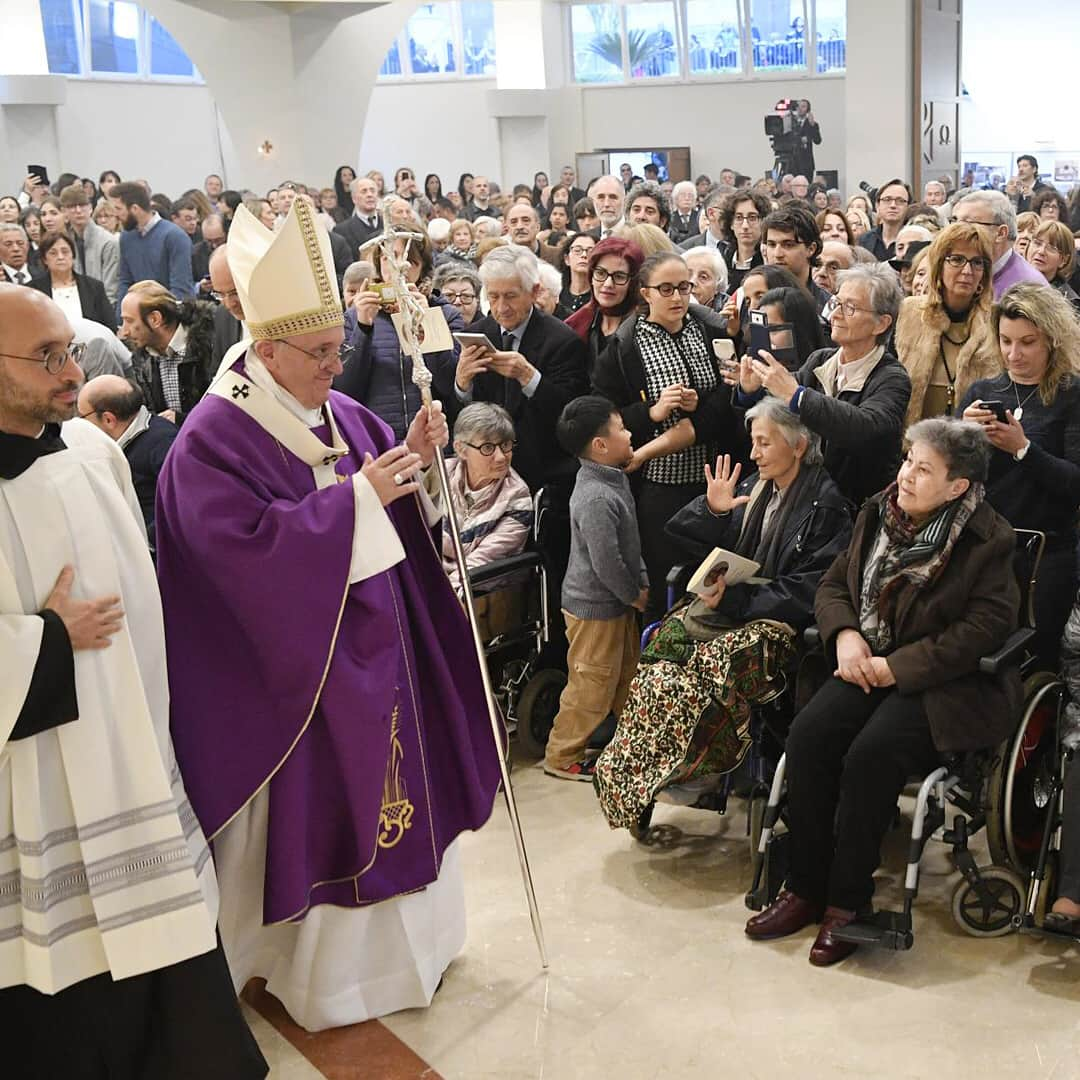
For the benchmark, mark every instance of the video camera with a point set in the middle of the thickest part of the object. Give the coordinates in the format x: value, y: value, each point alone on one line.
x: 780, y: 128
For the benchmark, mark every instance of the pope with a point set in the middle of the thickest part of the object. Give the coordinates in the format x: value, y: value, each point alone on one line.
x: 327, y: 705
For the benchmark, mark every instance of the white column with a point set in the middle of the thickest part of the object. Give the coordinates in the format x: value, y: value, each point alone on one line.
x: 879, y: 91
x: 28, y: 96
x: 24, y: 39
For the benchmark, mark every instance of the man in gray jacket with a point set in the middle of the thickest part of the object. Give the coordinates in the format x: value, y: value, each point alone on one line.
x: 97, y: 252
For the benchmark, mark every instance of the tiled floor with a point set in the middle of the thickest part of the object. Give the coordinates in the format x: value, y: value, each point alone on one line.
x: 651, y: 976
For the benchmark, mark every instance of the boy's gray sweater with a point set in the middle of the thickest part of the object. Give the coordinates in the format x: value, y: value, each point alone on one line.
x: 605, y: 573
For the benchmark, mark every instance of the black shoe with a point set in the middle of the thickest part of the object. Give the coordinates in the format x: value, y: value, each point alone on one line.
x: 603, y: 734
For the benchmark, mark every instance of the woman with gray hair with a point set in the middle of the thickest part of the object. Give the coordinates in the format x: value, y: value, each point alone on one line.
x: 925, y: 589
x: 853, y: 396
x: 493, y: 504
x: 459, y: 284
x: 685, y: 722
x: 709, y: 276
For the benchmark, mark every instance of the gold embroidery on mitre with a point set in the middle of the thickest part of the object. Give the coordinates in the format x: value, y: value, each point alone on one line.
x: 328, y: 314
x: 396, y: 812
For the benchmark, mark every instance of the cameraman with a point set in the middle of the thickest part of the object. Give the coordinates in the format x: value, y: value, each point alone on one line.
x: 807, y: 134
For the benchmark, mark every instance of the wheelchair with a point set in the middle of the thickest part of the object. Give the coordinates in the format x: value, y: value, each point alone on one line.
x: 770, y: 717
x: 526, y: 658
x: 1005, y: 790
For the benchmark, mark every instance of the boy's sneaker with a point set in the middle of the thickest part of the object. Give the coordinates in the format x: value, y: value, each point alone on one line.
x: 580, y: 770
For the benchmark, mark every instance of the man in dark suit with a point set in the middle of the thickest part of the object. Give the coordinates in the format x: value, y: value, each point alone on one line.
x: 366, y: 221
x: 568, y: 179
x: 119, y: 409
x: 537, y: 368
x: 213, y: 233
x: 14, y: 251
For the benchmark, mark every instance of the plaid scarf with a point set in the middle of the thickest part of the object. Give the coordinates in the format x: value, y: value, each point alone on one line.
x: 468, y: 255
x: 901, y: 552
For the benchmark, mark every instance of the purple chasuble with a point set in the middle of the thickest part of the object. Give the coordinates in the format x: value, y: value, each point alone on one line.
x: 360, y: 705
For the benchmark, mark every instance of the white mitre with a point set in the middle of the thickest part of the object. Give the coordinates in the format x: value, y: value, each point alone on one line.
x: 286, y: 279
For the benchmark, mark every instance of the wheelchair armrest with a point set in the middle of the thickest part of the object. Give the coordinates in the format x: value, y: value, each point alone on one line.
x: 1009, y: 654
x: 492, y: 570
x: 678, y: 576
x: 811, y: 637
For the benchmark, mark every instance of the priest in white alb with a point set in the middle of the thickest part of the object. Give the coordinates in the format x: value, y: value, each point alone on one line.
x: 109, y: 963
x: 327, y: 705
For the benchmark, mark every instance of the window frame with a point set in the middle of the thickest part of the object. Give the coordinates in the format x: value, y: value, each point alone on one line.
x: 746, y: 72
x: 457, y: 30
x: 143, y: 53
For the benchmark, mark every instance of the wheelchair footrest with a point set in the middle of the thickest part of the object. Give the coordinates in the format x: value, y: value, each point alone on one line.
x: 882, y: 930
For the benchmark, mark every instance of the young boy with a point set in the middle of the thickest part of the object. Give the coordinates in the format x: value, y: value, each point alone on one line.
x: 605, y: 582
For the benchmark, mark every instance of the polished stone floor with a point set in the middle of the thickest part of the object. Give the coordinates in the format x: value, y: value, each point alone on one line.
x: 651, y: 976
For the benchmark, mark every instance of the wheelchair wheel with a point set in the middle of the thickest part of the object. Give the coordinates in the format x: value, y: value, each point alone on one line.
x: 992, y: 914
x: 537, y: 709
x: 1018, y: 797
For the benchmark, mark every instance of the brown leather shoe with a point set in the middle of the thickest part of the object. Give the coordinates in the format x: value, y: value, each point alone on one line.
x: 787, y: 914
x: 826, y: 949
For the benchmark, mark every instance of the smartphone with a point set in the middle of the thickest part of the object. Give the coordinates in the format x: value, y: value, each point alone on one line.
x: 759, y: 334
x: 39, y: 171
x: 997, y: 408
x: 475, y: 339
x: 724, y: 350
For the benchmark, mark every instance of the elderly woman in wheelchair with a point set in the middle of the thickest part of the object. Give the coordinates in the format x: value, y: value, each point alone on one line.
x: 685, y: 722
x: 925, y: 589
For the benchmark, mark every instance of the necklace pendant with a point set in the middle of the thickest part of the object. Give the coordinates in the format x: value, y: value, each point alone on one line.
x: 1018, y: 413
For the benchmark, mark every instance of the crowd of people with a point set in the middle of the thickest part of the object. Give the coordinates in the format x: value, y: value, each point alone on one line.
x: 863, y: 396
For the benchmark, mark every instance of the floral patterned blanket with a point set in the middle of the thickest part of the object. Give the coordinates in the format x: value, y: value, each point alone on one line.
x: 688, y: 713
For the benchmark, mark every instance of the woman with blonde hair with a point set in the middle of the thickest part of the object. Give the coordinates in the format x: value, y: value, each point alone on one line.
x: 1026, y: 224
x: 650, y: 238
x: 943, y: 338
x: 1052, y: 251
x: 859, y: 221
x: 1031, y: 415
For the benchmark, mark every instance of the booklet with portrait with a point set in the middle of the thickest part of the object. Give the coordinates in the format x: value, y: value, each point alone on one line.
x: 735, y: 568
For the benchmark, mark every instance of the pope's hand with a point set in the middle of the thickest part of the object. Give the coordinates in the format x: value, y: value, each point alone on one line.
x: 392, y: 474
x: 90, y: 624
x: 428, y: 433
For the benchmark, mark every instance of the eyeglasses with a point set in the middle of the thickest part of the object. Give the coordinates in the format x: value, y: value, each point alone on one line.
x: 56, y: 360
x: 1040, y: 245
x: 343, y: 353
x: 746, y: 219
x: 459, y: 297
x: 972, y: 221
x: 580, y: 250
x: 221, y: 297
x: 600, y: 275
x: 958, y: 262
x: 893, y: 200
x: 850, y: 309
x: 487, y: 449
x: 665, y: 288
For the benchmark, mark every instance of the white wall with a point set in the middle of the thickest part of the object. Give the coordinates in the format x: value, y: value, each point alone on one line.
x: 722, y: 123
x: 878, y: 112
x: 443, y: 128
x: 166, y: 133
x: 1020, y: 76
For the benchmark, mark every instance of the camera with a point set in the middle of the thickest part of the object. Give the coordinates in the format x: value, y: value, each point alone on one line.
x: 779, y: 127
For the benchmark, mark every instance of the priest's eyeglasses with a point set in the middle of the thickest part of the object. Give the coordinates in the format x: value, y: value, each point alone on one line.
x: 56, y: 360
x: 487, y: 449
x: 343, y: 353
